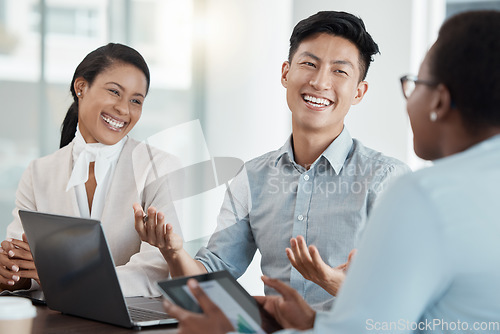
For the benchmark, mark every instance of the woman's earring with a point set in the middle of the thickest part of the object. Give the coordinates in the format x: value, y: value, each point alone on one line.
x: 433, y: 116
x: 79, y: 93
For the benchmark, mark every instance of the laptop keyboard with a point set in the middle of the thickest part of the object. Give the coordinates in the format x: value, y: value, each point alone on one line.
x: 140, y: 315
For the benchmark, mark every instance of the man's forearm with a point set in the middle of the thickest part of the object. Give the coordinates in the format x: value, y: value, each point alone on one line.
x: 182, y: 264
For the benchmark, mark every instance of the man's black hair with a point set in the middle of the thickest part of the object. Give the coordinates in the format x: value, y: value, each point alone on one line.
x: 340, y: 24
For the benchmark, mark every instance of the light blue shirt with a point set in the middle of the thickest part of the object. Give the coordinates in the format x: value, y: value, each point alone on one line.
x: 275, y: 199
x: 429, y: 261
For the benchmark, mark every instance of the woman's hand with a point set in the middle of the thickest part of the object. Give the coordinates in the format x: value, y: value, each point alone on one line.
x: 290, y: 310
x: 212, y: 320
x: 16, y: 265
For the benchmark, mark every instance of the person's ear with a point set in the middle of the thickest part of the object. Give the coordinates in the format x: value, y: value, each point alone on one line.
x: 360, y: 92
x: 440, y: 102
x: 285, y: 68
x: 80, y: 86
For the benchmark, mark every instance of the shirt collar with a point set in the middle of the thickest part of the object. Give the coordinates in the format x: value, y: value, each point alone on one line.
x: 336, y: 153
x: 111, y: 152
x: 104, y: 156
x: 285, y: 149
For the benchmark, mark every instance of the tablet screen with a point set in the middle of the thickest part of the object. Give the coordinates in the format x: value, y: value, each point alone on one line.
x: 240, y: 308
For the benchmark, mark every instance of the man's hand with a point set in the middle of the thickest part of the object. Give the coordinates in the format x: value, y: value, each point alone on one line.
x: 309, y: 263
x: 211, y: 321
x: 290, y: 310
x: 16, y: 265
x: 153, y: 229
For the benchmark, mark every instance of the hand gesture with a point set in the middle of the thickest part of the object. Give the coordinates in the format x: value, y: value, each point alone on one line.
x: 16, y: 265
x: 212, y: 320
x: 309, y: 263
x: 290, y: 310
x: 153, y: 229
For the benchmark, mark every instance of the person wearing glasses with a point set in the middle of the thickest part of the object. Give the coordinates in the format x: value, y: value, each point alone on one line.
x: 429, y: 258
x: 314, y: 194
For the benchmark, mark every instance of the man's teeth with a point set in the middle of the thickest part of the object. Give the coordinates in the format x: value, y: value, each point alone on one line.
x: 114, y: 123
x: 317, y: 100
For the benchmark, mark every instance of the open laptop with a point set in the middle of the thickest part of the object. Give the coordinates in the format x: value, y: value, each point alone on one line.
x: 78, y: 275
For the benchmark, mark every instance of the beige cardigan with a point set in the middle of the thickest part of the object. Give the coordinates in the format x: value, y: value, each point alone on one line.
x: 137, y: 178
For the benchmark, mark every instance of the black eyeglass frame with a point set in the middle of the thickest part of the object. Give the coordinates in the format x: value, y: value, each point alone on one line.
x: 416, y: 81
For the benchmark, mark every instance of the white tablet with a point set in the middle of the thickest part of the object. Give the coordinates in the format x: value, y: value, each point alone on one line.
x: 246, y: 315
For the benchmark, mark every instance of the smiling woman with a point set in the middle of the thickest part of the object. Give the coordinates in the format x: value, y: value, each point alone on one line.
x: 111, y: 107
x: 92, y: 174
x: 115, y: 77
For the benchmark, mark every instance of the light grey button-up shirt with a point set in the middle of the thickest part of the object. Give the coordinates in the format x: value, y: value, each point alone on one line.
x: 274, y: 199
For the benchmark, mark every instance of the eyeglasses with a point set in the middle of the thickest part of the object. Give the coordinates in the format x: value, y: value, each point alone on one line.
x: 409, y: 83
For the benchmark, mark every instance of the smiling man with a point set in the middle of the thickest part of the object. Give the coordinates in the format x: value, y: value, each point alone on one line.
x: 316, y: 190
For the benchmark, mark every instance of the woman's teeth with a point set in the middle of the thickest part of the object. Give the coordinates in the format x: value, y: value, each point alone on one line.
x: 113, y: 122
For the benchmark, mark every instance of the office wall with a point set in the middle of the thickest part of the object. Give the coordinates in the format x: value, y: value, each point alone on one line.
x: 246, y: 111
